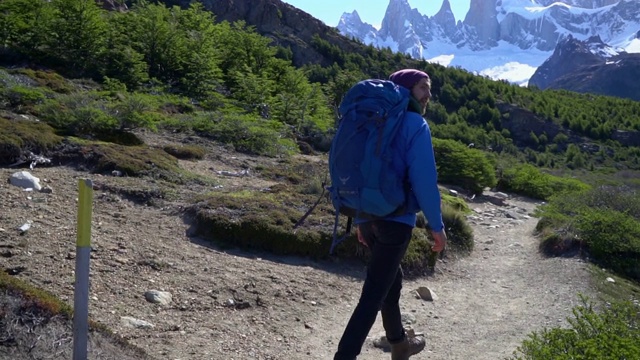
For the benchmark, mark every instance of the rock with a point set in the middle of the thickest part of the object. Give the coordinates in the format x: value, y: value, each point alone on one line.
x: 25, y: 180
x: 408, y: 318
x: 136, y: 323
x: 46, y: 190
x: 381, y: 341
x: 25, y: 227
x: 158, y: 297
x: 611, y: 280
x: 501, y: 195
x: 425, y: 293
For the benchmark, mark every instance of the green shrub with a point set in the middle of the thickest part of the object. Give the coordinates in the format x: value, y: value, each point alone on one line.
x: 49, y: 79
x: 185, y: 152
x: 605, y: 221
x: 259, y: 221
x: 266, y: 223
x: 113, y: 85
x: 19, y: 97
x: 455, y: 202
x: 130, y: 160
x: 135, y: 111
x: 613, y: 333
x: 459, y: 232
x: 77, y: 114
x: 613, y: 239
x: 459, y: 165
x: 17, y: 137
x: 246, y: 133
x: 530, y: 181
x: 119, y: 137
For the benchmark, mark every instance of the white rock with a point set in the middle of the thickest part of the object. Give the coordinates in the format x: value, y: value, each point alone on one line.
x: 501, y: 195
x: 133, y: 322
x: 25, y: 180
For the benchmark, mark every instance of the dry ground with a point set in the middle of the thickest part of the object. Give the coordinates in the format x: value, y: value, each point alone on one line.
x: 296, y: 308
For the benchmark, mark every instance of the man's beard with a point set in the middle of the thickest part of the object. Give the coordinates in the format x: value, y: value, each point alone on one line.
x: 424, y: 104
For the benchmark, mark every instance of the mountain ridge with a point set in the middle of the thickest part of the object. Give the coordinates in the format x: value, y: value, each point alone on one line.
x: 500, y: 31
x: 590, y: 66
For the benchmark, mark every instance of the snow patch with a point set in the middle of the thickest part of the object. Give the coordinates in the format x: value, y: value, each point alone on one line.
x: 514, y: 72
x: 633, y: 47
x: 443, y: 60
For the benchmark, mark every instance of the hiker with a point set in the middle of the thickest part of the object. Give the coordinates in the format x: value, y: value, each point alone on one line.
x: 388, y: 238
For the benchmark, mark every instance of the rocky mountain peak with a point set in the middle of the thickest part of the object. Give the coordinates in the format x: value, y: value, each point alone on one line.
x: 350, y: 23
x: 407, y: 27
x: 482, y: 18
x: 445, y: 18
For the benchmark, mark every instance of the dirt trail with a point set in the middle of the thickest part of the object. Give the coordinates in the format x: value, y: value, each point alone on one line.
x: 486, y: 303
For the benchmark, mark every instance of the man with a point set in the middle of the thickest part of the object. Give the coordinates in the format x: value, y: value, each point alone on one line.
x: 389, y: 238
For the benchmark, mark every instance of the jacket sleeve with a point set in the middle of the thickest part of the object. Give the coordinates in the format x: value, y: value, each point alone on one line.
x: 423, y: 174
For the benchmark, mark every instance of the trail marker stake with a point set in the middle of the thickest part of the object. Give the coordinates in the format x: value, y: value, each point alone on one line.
x: 83, y: 253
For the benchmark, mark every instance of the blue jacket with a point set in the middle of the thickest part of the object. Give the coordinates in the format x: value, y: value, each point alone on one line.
x: 414, y: 156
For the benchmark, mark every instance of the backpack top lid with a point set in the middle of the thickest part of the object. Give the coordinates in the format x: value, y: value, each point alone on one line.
x: 383, y: 94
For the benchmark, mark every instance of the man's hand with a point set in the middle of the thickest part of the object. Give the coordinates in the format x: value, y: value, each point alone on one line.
x: 440, y: 238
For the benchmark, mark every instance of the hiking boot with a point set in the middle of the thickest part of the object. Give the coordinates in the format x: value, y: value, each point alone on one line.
x: 409, y: 347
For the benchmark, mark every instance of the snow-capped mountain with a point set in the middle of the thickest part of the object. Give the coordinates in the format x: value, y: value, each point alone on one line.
x: 590, y: 66
x: 505, y: 39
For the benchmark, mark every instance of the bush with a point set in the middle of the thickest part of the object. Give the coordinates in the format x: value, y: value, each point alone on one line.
x: 459, y: 233
x: 19, y: 97
x: 137, y: 111
x: 185, y: 152
x: 246, y: 133
x: 612, y: 334
x: 530, y: 181
x: 266, y: 223
x: 77, y: 114
x: 463, y: 166
x: 17, y: 137
x: 49, y: 79
x: 613, y: 239
x: 604, y: 220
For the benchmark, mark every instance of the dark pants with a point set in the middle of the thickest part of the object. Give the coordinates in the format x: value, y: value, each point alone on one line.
x: 388, y: 241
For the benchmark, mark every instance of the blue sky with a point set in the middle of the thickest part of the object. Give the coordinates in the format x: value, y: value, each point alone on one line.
x: 371, y: 11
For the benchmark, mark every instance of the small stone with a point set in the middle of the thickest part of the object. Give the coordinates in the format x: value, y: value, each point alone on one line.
x: 136, y: 323
x: 425, y: 293
x: 158, y: 297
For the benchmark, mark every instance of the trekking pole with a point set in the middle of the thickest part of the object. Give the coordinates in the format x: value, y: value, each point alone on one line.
x: 304, y: 217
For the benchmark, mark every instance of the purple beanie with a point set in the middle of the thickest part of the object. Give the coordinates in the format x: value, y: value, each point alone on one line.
x: 408, y: 77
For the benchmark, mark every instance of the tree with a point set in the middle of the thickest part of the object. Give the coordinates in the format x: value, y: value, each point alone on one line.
x: 78, y: 34
x: 154, y: 33
x: 119, y: 59
x: 200, y: 71
x: 24, y: 26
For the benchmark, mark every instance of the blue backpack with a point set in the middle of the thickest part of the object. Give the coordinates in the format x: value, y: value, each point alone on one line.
x: 364, y: 183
